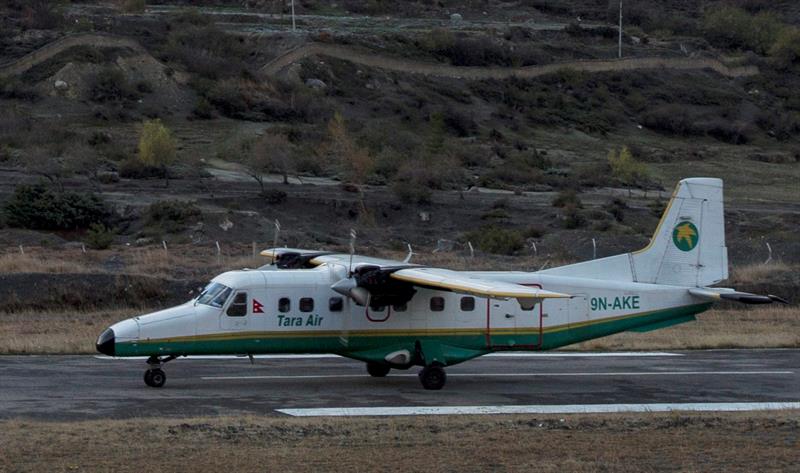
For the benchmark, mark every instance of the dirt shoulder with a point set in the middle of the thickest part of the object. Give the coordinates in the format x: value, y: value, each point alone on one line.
x: 649, y: 442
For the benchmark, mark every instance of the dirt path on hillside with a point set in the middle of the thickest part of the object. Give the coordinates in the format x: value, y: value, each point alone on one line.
x: 479, y: 73
x: 346, y: 53
x: 19, y: 66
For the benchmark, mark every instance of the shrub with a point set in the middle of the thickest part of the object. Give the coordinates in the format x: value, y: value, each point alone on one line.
x: 732, y: 27
x: 134, y: 6
x: 109, y: 85
x: 40, y: 208
x: 492, y: 239
x: 412, y: 192
x: 567, y: 197
x: 573, y: 218
x: 169, y: 216
x: 625, y: 168
x: 134, y: 168
x: 203, y: 109
x: 616, y: 207
x: 786, y: 49
x: 156, y: 146
x: 14, y: 88
x: 274, y: 196
x: 99, y: 237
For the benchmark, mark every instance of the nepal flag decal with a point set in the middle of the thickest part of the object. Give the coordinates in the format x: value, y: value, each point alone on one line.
x: 258, y: 308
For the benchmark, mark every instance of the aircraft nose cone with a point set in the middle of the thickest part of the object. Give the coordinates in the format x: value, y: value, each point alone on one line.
x: 105, y: 342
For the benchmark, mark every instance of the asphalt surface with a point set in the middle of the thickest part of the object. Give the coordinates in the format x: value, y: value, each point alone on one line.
x: 89, y: 387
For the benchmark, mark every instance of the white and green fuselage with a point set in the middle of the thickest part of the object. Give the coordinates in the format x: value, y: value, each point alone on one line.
x: 451, y: 327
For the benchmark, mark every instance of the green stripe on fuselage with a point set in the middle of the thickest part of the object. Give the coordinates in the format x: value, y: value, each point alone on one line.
x: 472, y: 341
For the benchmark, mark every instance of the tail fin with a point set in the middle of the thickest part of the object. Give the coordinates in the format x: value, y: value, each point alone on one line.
x: 687, y: 249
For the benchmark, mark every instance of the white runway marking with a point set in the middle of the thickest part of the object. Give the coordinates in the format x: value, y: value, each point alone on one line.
x: 542, y: 409
x: 612, y: 354
x: 501, y: 375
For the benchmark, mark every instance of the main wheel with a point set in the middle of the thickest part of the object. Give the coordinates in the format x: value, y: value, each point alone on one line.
x: 433, y: 377
x: 377, y: 370
x: 155, y: 378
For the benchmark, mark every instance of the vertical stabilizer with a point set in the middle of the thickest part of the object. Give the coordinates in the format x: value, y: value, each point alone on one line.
x: 687, y: 249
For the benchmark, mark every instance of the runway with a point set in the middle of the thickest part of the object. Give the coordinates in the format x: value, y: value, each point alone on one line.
x: 89, y: 387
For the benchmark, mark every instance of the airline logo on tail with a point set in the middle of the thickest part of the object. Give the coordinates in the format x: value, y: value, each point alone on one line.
x: 685, y: 236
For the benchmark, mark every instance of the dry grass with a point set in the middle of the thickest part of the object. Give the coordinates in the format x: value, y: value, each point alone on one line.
x: 582, y: 443
x: 180, y: 260
x: 759, y: 272
x: 40, y: 263
x: 773, y: 327
x: 55, y: 332
x: 755, y: 327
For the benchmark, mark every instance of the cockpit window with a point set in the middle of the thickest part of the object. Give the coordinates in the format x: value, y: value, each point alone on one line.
x: 215, y: 295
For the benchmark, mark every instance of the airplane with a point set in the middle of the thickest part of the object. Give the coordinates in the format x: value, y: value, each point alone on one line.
x: 397, y: 315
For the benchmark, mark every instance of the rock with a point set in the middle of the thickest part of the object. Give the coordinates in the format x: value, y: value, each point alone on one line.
x: 226, y: 225
x: 425, y: 216
x: 456, y: 18
x: 316, y: 84
x: 61, y: 85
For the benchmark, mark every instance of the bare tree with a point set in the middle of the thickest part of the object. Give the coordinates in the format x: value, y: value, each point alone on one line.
x: 271, y: 153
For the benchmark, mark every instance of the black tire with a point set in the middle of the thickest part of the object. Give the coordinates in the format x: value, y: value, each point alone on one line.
x: 377, y: 370
x: 433, y: 377
x: 155, y: 378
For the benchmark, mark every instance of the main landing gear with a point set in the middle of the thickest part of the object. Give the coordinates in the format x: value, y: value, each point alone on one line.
x: 433, y: 377
x: 155, y: 376
x: 377, y: 370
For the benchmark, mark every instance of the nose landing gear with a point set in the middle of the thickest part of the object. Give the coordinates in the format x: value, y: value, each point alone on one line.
x: 155, y: 376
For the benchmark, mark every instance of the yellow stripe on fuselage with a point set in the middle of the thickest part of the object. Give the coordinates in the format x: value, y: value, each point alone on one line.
x: 397, y: 332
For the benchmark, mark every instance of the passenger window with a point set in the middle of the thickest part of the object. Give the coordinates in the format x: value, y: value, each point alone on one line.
x: 437, y: 304
x: 400, y: 307
x: 238, y: 307
x: 335, y: 304
x: 284, y: 304
x: 306, y: 304
x: 467, y: 304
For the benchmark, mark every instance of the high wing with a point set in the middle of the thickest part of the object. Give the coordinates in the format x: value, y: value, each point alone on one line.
x: 458, y: 282
x: 724, y: 294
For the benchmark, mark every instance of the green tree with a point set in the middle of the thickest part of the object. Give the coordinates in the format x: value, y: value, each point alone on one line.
x: 157, y: 146
x: 626, y: 169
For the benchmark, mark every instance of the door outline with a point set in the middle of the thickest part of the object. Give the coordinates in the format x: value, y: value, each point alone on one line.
x: 523, y: 346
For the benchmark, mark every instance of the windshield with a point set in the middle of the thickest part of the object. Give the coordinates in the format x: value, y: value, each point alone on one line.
x: 215, y: 295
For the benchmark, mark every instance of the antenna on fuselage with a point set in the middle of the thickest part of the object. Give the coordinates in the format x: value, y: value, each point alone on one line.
x: 410, y: 253
x: 277, y: 233
x: 353, y: 236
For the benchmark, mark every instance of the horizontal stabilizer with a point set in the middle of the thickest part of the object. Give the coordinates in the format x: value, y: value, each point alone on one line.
x: 722, y: 294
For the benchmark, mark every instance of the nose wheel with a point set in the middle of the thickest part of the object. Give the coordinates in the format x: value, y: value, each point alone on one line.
x: 155, y: 376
